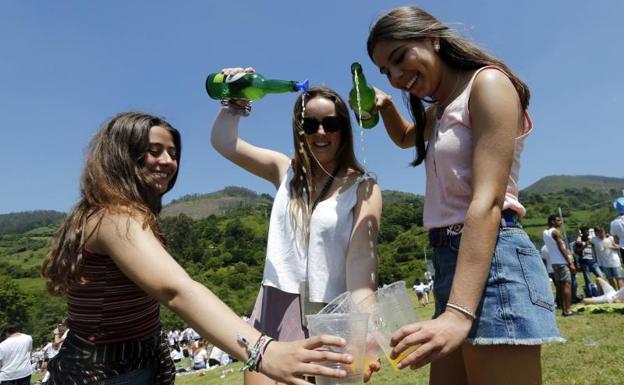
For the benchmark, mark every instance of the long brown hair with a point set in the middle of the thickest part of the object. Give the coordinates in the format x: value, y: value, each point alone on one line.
x: 411, y: 23
x: 303, y: 163
x: 112, y: 180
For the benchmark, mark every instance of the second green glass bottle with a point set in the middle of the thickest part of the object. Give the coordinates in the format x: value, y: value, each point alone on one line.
x: 369, y: 117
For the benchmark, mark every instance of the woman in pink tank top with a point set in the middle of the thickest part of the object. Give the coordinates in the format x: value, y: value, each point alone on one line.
x: 494, y: 306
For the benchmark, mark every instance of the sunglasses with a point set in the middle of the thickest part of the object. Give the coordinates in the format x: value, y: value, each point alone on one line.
x: 330, y: 124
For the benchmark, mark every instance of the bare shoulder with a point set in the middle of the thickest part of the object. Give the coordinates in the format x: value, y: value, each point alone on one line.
x: 492, y: 86
x: 112, y: 226
x: 369, y: 192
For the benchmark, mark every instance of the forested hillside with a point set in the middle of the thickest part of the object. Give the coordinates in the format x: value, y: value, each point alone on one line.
x: 559, y: 183
x: 226, y: 252
x: 17, y: 223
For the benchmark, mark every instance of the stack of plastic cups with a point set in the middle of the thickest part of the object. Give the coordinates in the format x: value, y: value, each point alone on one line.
x: 390, y: 308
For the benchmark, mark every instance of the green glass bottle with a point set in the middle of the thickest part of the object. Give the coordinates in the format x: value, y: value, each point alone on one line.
x: 367, y: 98
x: 248, y: 86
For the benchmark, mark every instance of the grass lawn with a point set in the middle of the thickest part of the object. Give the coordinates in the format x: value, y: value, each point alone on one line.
x: 592, y: 355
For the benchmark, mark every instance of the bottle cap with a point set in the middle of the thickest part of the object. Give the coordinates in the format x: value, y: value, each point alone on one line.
x: 302, y: 86
x: 618, y: 205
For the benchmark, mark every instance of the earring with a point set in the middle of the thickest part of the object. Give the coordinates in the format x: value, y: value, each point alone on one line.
x: 436, y: 47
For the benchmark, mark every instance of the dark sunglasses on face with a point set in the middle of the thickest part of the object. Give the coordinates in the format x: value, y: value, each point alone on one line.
x: 330, y: 124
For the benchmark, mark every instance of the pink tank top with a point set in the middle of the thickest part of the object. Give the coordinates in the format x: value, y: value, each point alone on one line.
x: 449, y: 164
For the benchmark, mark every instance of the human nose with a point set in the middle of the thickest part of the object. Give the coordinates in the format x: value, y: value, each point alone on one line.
x: 165, y: 158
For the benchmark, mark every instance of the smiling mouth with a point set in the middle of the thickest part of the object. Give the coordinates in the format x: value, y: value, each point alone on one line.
x: 410, y: 84
x: 160, y: 175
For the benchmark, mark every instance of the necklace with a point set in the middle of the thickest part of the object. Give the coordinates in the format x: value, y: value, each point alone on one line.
x: 325, y: 188
x: 441, y: 106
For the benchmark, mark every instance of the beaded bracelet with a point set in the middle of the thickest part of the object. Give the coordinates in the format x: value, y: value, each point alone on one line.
x: 462, y: 309
x: 236, y: 108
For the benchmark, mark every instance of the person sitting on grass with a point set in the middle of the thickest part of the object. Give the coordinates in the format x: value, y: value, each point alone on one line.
x: 610, y: 294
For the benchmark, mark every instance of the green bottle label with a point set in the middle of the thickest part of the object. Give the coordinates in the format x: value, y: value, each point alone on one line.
x: 218, y: 78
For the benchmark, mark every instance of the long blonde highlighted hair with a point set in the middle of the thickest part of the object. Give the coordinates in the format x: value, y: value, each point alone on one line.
x: 304, y: 164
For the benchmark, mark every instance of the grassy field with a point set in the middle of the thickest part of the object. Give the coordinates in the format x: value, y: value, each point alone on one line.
x: 592, y: 355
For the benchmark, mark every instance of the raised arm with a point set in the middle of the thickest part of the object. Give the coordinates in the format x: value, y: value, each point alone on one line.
x: 268, y: 164
x: 137, y: 252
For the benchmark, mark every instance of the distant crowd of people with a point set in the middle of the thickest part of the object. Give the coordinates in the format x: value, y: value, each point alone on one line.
x: 593, y: 252
x: 189, y: 344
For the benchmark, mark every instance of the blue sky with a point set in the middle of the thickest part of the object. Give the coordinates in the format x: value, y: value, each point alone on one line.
x: 67, y: 66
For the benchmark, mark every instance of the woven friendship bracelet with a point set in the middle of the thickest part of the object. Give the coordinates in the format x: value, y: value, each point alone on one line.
x: 462, y: 309
x: 255, y: 353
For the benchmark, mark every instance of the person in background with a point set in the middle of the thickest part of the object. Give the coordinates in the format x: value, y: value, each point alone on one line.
x: 422, y: 292
x: 610, y: 294
x: 325, y: 216
x: 584, y: 249
x: 470, y: 122
x: 617, y: 225
x: 15, y: 367
x: 110, y: 250
x: 562, y: 263
x: 200, y: 355
x: 217, y: 357
x: 176, y: 353
x: 607, y: 252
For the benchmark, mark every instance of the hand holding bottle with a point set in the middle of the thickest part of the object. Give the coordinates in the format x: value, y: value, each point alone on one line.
x: 382, y: 100
x: 233, y: 72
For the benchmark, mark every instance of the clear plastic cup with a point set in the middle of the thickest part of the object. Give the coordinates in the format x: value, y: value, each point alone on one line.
x: 342, y: 304
x: 390, y: 308
x: 353, y: 328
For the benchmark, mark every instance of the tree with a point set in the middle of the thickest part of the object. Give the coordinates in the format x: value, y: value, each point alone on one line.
x: 13, y: 302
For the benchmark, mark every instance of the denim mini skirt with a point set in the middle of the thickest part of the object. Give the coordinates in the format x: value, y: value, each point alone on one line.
x: 517, y: 307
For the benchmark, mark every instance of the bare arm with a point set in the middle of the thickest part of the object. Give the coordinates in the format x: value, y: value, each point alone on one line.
x: 140, y: 256
x: 267, y: 164
x: 401, y: 131
x: 561, y: 245
x: 496, y: 114
x: 362, y: 260
x: 362, y: 255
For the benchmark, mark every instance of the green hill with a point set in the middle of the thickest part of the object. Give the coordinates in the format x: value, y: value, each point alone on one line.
x: 559, y: 183
x: 17, y: 223
x: 220, y: 239
x: 198, y: 206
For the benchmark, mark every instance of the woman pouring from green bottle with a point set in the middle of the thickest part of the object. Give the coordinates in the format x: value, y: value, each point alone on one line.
x: 325, y: 216
x: 494, y: 306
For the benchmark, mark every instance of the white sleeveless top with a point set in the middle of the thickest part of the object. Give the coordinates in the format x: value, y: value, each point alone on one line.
x: 330, y: 233
x: 556, y: 257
